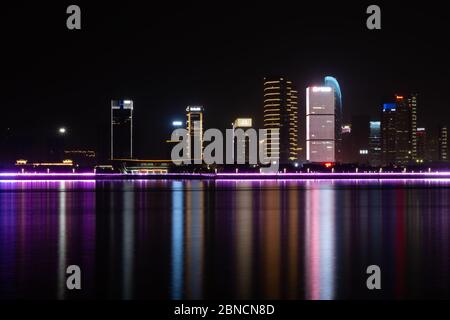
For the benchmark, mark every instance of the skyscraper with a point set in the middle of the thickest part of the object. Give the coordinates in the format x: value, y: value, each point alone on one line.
x: 388, y: 133
x: 121, y: 129
x: 281, y: 112
x: 421, y: 141
x: 403, y: 145
x: 333, y: 83
x: 399, y: 130
x: 443, y: 144
x: 320, y: 124
x: 412, y: 105
x: 194, y: 125
x: 241, y: 142
x: 375, y: 143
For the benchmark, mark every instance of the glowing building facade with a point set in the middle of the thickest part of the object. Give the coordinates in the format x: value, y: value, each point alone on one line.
x: 320, y: 124
x: 443, y: 144
x: 388, y: 133
x: 121, y: 129
x: 281, y: 113
x: 194, y: 125
x: 399, y: 131
x: 333, y: 83
x: 375, y: 143
x: 241, y: 141
x: 421, y: 139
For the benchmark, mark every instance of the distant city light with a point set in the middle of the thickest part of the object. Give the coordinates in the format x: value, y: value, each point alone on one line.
x: 62, y: 130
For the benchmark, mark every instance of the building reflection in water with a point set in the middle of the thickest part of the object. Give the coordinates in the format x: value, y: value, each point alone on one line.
x: 319, y: 242
x: 243, y: 224
x: 271, y: 244
x: 293, y: 251
x: 194, y: 237
x: 128, y: 246
x: 177, y: 241
x: 62, y: 239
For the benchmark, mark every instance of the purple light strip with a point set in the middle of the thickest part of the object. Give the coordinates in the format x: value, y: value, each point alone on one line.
x: 374, y: 174
x: 318, y: 175
x: 29, y: 175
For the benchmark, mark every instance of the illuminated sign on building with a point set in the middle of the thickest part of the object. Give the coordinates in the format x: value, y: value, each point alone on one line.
x: 243, y: 123
x: 194, y: 109
x: 322, y: 89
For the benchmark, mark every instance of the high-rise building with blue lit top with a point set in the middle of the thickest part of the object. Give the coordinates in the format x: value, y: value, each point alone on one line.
x: 333, y: 83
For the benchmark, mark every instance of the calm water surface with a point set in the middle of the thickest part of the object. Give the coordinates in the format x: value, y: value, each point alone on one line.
x: 224, y: 239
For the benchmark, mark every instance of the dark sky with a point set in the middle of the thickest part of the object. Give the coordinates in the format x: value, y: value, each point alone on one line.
x: 217, y: 54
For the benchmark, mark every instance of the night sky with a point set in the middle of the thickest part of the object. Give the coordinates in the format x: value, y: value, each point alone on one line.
x: 216, y: 55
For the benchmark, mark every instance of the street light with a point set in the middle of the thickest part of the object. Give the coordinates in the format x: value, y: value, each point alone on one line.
x: 62, y: 130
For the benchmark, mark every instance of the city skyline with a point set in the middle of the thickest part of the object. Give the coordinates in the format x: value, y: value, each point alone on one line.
x: 203, y: 66
x: 399, y: 116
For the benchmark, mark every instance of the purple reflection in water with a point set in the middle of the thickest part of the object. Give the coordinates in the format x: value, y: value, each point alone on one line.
x: 195, y: 239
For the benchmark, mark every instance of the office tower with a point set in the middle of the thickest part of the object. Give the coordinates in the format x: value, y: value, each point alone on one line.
x: 403, y: 143
x: 281, y: 112
x: 121, y: 129
x: 360, y: 139
x: 375, y: 143
x: 400, y: 119
x: 320, y: 124
x: 412, y: 105
x: 443, y: 144
x: 333, y: 83
x: 421, y: 143
x: 388, y: 133
x: 241, y: 142
x: 194, y: 125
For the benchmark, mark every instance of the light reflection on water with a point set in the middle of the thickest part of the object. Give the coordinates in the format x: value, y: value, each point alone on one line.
x: 224, y: 239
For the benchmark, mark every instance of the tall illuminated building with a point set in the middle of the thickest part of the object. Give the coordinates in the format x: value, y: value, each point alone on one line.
x: 403, y: 143
x: 421, y: 140
x: 375, y: 143
x: 194, y: 126
x: 443, y: 144
x: 281, y: 112
x: 320, y: 124
x: 388, y: 133
x: 412, y: 106
x: 333, y: 83
x: 121, y: 129
x: 399, y: 131
x: 241, y: 142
